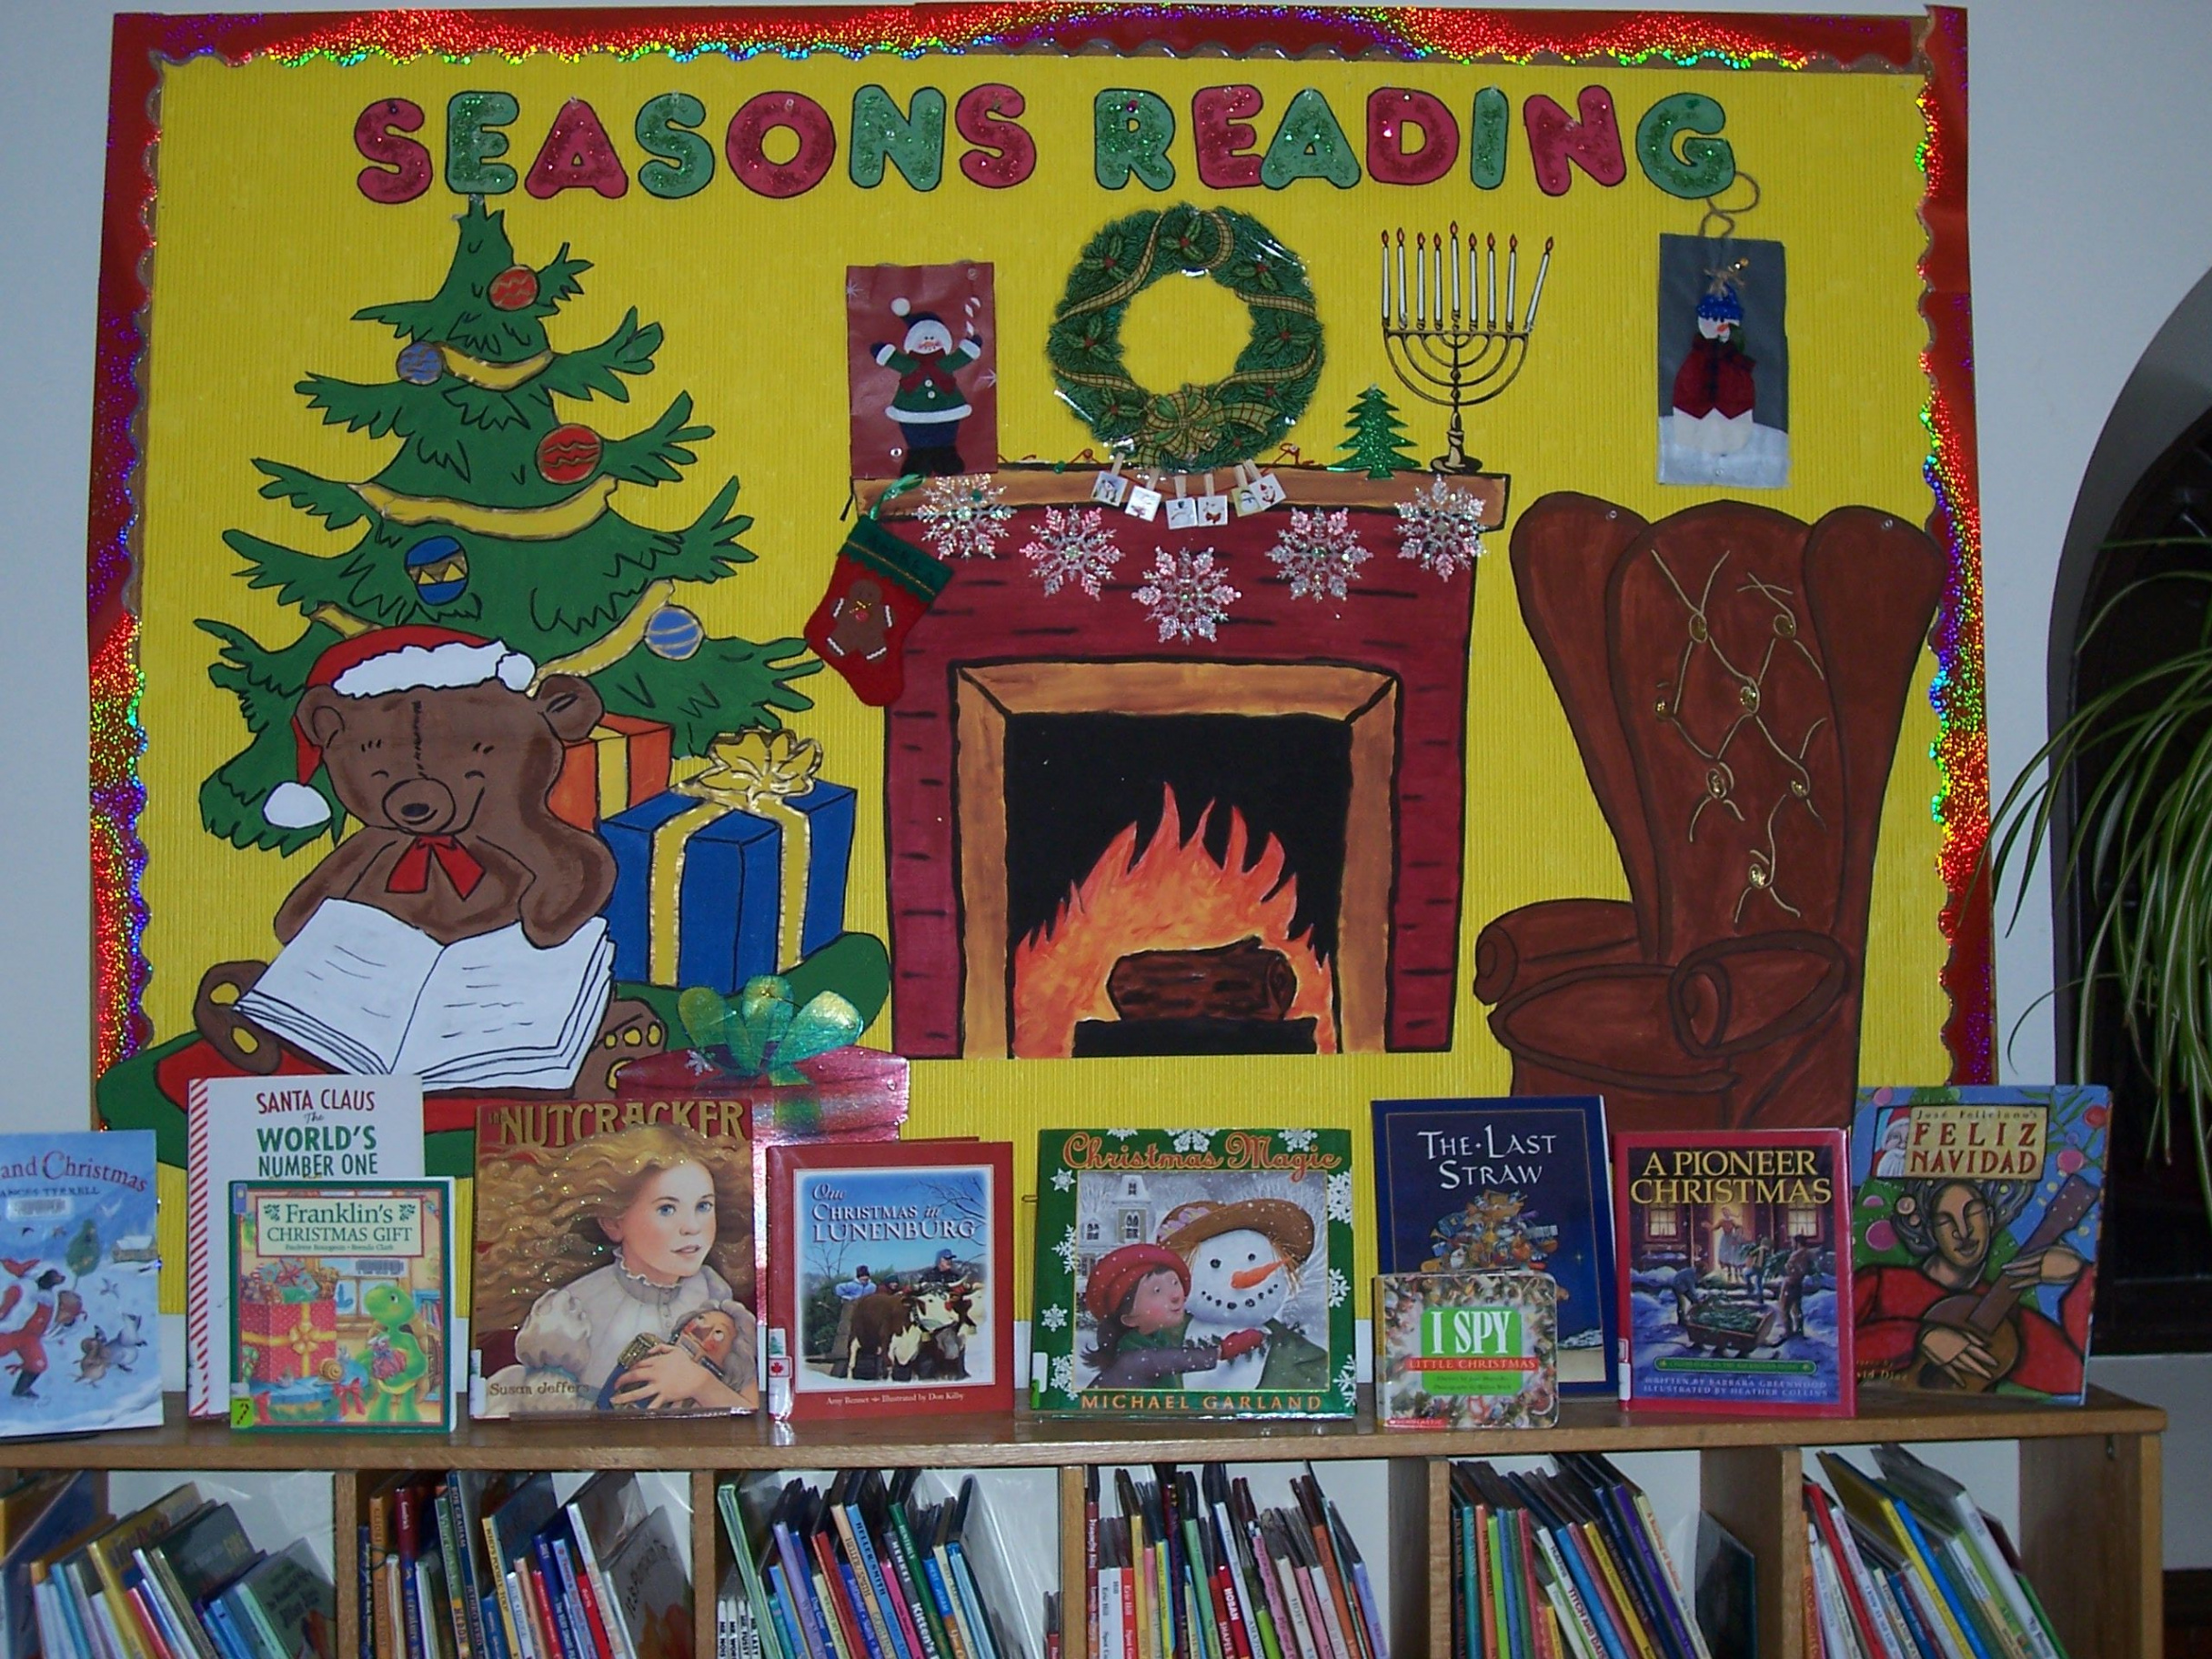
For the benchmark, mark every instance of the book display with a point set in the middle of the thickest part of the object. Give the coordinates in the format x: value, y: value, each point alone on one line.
x: 757, y: 1030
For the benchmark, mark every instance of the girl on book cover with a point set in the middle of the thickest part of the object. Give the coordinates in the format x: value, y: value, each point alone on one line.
x: 1137, y: 1294
x: 644, y: 1202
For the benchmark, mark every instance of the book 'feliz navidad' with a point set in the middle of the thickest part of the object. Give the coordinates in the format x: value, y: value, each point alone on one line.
x: 1194, y: 1271
x: 1975, y: 1236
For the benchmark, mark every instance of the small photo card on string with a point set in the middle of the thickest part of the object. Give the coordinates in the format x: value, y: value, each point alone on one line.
x: 1144, y: 500
x: 1213, y: 507
x: 1109, y: 486
x: 1182, y: 507
x: 1723, y: 365
x: 1247, y: 496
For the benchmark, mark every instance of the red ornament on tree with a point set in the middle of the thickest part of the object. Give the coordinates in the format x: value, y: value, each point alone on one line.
x: 513, y: 289
x: 568, y: 455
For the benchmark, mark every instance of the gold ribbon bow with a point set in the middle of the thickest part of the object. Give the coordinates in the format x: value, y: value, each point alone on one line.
x: 302, y: 1339
x: 760, y: 772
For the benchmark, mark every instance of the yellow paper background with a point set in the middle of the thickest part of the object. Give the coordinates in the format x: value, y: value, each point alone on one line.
x: 265, y: 248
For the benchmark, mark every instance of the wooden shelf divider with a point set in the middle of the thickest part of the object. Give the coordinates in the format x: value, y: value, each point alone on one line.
x: 2089, y: 1486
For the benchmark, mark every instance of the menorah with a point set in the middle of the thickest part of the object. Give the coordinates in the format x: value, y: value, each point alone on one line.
x: 1456, y: 357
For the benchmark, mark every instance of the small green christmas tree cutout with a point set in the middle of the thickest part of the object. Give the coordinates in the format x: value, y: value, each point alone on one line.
x: 497, y: 516
x: 1374, y: 438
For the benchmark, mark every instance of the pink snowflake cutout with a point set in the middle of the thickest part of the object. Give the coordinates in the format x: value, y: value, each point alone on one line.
x: 1185, y: 596
x: 1319, y: 554
x: 1074, y: 548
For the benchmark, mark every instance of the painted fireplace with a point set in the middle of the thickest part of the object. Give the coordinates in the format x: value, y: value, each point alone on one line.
x: 1100, y: 844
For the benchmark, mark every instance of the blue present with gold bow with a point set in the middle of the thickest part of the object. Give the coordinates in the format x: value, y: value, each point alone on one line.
x: 735, y: 872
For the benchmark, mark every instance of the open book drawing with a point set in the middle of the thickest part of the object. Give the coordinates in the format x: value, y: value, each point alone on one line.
x: 365, y: 992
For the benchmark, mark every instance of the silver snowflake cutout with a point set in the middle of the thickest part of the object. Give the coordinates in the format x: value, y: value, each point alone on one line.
x: 1062, y: 1180
x: 1340, y: 1287
x: 1065, y: 1250
x: 1063, y: 1373
x: 1120, y: 1134
x: 1193, y: 1140
x: 1340, y: 1196
x: 1348, y: 1383
x: 1441, y: 529
x: 1319, y: 554
x: 1053, y: 1318
x: 1185, y: 595
x: 963, y: 517
x: 1074, y: 549
x: 1298, y: 1140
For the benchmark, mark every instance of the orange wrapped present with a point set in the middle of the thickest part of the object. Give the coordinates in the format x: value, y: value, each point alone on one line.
x: 624, y: 761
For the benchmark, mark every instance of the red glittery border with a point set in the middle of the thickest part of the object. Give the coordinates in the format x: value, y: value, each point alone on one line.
x: 144, y: 42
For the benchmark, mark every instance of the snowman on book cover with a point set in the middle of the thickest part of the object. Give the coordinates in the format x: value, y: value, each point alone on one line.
x: 1975, y: 1235
x: 1207, y: 1272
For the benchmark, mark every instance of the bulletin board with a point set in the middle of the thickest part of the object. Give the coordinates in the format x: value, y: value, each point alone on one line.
x: 1270, y: 558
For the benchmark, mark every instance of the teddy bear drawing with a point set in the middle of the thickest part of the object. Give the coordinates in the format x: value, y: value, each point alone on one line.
x: 438, y: 747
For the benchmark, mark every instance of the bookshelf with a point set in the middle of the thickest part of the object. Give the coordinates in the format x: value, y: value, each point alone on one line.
x: 2089, y: 1485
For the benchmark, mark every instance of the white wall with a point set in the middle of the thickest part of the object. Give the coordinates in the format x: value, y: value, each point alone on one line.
x: 2091, y: 169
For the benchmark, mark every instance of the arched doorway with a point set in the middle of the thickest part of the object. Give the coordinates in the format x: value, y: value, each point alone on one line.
x: 2155, y: 1290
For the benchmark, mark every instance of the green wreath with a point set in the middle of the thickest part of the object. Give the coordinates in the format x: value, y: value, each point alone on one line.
x: 1194, y: 428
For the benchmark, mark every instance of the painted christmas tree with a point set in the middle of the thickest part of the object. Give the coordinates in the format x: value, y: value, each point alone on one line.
x: 1374, y: 438
x: 499, y: 515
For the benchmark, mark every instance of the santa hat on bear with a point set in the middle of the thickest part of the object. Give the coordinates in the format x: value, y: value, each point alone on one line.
x: 385, y: 660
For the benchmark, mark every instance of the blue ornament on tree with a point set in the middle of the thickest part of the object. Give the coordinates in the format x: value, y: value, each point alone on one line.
x: 673, y: 632
x: 439, y: 567
x: 421, y: 362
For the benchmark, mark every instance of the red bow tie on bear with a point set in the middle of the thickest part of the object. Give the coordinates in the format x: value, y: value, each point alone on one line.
x: 412, y: 873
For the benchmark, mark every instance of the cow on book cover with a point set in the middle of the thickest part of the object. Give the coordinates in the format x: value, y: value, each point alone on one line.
x: 1974, y: 1241
x: 614, y: 1259
x: 1735, y: 1270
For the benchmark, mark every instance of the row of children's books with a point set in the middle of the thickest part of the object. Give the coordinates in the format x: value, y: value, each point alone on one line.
x: 1948, y: 1242
x: 1904, y: 1566
x: 1191, y: 1567
x: 1565, y: 1564
x: 870, y: 1566
x: 178, y: 1579
x: 472, y: 1565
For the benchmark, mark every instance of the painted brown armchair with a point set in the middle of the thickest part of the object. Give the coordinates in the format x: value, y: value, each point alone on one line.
x: 1735, y: 679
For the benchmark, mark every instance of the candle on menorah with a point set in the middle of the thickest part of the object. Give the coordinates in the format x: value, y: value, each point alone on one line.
x: 1465, y: 356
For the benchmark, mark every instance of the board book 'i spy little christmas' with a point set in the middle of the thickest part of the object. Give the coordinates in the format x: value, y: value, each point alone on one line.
x: 1734, y: 1270
x: 890, y: 1278
x: 1975, y: 1236
x: 341, y: 1305
x: 1195, y: 1269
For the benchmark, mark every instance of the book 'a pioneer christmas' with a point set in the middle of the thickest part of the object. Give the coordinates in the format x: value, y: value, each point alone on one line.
x: 1194, y: 1270
x: 341, y: 1305
x: 614, y: 1259
x: 1734, y: 1270
x: 1507, y: 1185
x: 1975, y: 1236
x: 79, y: 1339
x: 890, y: 1278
